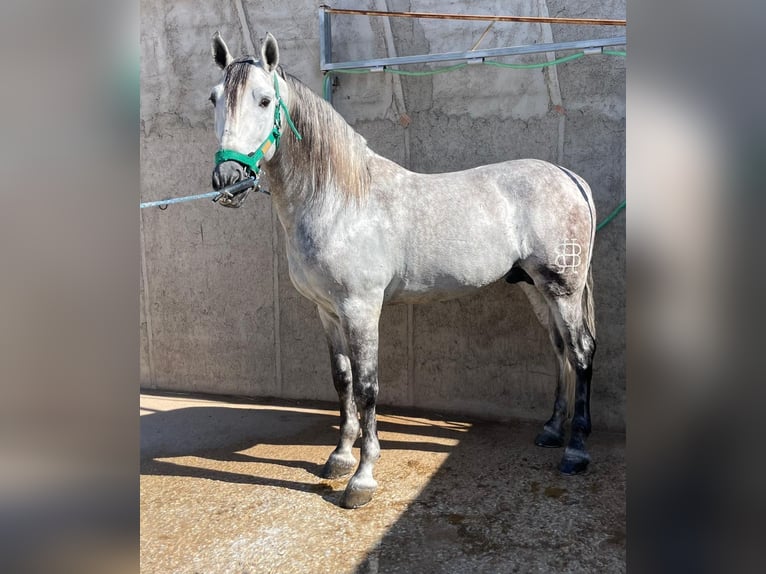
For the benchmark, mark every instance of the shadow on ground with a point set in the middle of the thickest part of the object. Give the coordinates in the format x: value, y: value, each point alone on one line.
x: 498, y: 504
x: 201, y: 432
x: 455, y: 496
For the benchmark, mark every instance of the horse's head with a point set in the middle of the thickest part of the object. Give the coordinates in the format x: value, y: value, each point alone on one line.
x: 248, y: 110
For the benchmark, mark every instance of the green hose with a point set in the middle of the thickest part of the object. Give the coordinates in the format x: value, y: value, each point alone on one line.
x: 611, y: 216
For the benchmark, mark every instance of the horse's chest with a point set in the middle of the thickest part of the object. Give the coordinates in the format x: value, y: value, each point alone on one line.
x: 310, y: 272
x: 327, y: 267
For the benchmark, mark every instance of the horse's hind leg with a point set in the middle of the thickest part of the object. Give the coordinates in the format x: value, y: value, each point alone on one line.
x: 341, y: 461
x: 552, y: 435
x: 580, y: 346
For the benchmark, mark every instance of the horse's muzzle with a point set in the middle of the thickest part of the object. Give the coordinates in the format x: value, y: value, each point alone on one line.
x: 227, y: 173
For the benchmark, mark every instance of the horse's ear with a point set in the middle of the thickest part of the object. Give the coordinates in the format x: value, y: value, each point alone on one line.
x: 221, y: 54
x: 270, y: 53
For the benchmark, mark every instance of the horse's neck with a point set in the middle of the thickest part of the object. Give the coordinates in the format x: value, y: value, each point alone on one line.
x: 295, y: 193
x: 308, y: 175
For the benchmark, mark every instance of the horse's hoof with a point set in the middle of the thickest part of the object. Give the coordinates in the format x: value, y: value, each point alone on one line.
x: 338, y: 466
x: 574, y: 461
x: 549, y: 439
x: 358, y: 493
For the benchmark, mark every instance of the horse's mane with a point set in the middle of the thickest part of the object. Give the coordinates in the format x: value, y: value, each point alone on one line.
x: 330, y: 155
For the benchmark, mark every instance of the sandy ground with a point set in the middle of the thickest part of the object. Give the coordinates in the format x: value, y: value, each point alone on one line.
x: 233, y: 486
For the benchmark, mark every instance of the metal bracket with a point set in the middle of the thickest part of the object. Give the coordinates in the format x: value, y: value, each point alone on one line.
x: 594, y: 46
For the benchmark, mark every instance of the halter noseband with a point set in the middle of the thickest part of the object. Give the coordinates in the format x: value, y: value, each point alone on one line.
x: 251, y: 160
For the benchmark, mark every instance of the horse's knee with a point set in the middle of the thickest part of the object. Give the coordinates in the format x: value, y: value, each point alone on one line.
x: 341, y: 373
x: 365, y: 394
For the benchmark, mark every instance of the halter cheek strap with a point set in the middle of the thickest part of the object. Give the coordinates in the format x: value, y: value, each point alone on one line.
x: 252, y: 160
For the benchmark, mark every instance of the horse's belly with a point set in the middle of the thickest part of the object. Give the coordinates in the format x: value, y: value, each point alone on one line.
x: 427, y: 294
x: 453, y: 270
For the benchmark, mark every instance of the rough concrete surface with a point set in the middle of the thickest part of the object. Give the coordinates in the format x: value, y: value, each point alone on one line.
x: 233, y: 487
x: 218, y: 311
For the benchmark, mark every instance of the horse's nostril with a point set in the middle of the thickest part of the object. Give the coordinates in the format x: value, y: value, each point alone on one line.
x: 227, y: 173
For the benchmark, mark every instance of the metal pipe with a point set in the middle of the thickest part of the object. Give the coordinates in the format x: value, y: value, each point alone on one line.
x: 233, y: 190
x: 487, y: 53
x: 479, y: 17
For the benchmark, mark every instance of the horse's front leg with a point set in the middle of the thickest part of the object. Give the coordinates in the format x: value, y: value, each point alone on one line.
x: 361, y: 333
x: 341, y: 461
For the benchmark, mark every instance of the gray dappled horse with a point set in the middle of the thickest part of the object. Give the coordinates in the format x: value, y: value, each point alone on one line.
x: 362, y: 232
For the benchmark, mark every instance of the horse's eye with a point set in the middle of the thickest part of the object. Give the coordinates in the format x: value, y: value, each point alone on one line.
x: 212, y: 99
x: 265, y: 102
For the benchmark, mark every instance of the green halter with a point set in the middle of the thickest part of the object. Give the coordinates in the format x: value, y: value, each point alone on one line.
x: 251, y: 160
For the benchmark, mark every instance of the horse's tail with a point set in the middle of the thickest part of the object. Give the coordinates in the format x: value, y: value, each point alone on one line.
x: 588, y: 310
x: 570, y: 380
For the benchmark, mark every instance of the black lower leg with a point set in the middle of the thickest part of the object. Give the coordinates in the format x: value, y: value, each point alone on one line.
x: 342, y: 462
x: 576, y: 457
x: 363, y: 485
x: 552, y: 435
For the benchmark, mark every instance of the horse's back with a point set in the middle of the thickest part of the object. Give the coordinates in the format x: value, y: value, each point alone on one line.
x: 455, y: 232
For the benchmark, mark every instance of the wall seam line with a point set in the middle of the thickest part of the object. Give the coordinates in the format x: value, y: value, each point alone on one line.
x: 147, y: 305
x: 246, y: 33
x: 411, y: 354
x: 396, y: 81
x: 401, y: 109
x: 277, y: 321
x: 554, y: 89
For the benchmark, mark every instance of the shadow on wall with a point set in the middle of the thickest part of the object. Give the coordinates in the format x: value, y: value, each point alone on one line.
x: 496, y: 503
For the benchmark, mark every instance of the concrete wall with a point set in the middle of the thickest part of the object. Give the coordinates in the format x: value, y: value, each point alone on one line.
x: 218, y: 312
